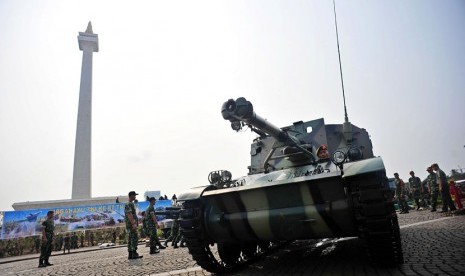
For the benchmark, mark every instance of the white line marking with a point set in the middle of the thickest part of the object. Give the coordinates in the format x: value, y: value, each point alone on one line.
x: 424, y: 222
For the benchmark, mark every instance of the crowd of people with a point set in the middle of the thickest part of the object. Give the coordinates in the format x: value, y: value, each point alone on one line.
x: 61, y: 242
x: 426, y: 193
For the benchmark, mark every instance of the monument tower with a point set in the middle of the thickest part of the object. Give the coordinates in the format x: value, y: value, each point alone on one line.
x: 82, y: 187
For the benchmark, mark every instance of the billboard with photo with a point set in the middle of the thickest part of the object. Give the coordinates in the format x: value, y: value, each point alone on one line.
x: 25, y: 223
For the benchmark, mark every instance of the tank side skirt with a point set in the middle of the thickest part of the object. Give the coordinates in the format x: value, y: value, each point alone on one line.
x: 299, y: 210
x: 320, y: 205
x: 221, y: 204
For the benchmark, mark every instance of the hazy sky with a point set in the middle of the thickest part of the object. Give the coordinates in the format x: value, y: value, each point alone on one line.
x: 165, y: 68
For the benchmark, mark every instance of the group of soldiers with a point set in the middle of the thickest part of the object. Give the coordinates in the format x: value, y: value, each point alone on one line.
x: 149, y: 226
x: 66, y: 242
x: 425, y: 193
x: 131, y: 219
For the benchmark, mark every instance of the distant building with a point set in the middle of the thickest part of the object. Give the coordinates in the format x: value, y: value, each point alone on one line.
x: 50, y: 204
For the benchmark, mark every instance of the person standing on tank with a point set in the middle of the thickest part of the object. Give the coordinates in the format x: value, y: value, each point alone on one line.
x: 132, y: 222
x: 400, y: 194
x: 444, y: 189
x: 416, y: 188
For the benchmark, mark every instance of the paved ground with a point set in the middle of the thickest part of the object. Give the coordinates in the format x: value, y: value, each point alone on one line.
x: 433, y: 244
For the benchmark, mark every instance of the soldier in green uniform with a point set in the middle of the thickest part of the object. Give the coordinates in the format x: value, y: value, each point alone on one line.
x: 175, y: 234
x: 433, y: 188
x: 132, y: 222
x: 47, y: 237
x: 416, y: 188
x: 400, y: 194
x: 444, y: 189
x: 67, y: 243
x: 151, y: 227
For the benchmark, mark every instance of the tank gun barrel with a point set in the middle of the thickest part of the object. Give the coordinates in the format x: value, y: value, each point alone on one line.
x: 241, y: 110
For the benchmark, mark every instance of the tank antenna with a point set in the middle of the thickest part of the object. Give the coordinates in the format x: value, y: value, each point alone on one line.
x: 346, y: 118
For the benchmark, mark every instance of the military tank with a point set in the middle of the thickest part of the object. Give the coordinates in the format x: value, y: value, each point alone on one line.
x: 309, y: 180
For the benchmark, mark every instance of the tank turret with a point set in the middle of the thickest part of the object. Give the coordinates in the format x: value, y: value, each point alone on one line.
x: 240, y: 112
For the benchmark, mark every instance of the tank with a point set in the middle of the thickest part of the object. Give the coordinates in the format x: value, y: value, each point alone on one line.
x: 309, y: 180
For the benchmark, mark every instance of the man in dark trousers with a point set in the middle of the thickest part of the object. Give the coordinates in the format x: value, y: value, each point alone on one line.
x: 47, y: 237
x: 433, y: 188
x: 132, y: 222
x: 152, y: 226
x: 444, y: 189
x: 67, y: 243
x: 416, y: 188
x: 400, y: 194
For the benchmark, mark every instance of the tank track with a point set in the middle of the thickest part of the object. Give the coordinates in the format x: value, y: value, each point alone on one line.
x: 228, y: 256
x: 376, y: 218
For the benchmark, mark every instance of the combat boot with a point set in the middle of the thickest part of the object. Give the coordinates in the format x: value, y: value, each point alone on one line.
x: 161, y: 246
x: 154, y: 250
x: 166, y: 243
x: 46, y: 263
x: 130, y: 255
x: 175, y: 245
x: 135, y: 255
x: 41, y: 263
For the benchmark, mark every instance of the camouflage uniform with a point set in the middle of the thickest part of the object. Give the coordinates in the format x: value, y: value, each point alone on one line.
x: 400, y: 195
x: 46, y: 249
x: 425, y: 195
x: 415, y: 187
x: 151, y: 230
x: 175, y: 234
x: 434, y: 188
x: 132, y: 234
x: 67, y: 243
x: 446, y: 198
x: 74, y: 241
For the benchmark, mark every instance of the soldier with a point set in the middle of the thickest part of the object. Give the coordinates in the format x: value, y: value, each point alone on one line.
x: 425, y: 196
x: 81, y: 237
x: 67, y: 243
x: 132, y: 222
x: 74, y: 241
x: 433, y: 188
x: 151, y: 228
x: 47, y: 237
x: 143, y: 231
x: 400, y: 194
x: 175, y: 234
x: 416, y: 188
x: 443, y: 188
x: 37, y: 244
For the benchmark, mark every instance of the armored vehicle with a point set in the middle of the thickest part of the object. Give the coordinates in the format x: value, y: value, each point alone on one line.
x: 310, y: 180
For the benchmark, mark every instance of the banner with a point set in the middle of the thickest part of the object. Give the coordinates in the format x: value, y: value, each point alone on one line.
x: 29, y: 222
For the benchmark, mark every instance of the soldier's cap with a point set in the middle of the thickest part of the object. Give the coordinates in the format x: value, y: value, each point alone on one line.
x: 131, y: 193
x: 152, y: 198
x: 411, y: 172
x: 429, y: 169
x: 434, y: 165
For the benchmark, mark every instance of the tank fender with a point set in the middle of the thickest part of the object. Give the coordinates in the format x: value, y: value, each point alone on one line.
x: 195, y: 193
x: 363, y: 166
